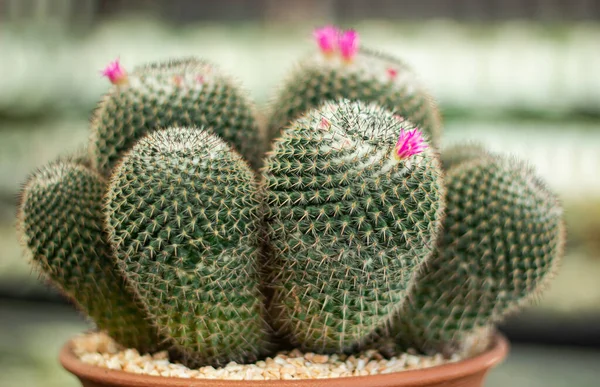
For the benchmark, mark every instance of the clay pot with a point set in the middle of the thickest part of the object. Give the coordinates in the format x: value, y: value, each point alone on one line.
x: 467, y: 373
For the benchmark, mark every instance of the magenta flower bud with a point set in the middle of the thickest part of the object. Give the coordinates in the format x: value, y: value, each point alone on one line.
x: 348, y: 44
x: 115, y: 73
x: 326, y: 38
x: 410, y: 143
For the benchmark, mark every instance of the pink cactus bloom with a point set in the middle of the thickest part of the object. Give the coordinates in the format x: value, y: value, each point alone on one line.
x: 410, y: 143
x: 348, y: 44
x: 326, y: 38
x: 392, y: 73
x: 115, y: 73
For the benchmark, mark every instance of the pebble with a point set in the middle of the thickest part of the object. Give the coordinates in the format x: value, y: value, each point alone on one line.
x: 100, y: 350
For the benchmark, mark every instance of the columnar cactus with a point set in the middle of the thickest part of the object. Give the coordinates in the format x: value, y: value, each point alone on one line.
x: 502, y: 241
x: 342, y: 70
x: 353, y: 212
x: 60, y: 223
x: 186, y: 92
x: 183, y: 217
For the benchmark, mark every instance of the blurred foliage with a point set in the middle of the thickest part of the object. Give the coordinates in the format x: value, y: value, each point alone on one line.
x: 528, y: 69
x: 583, y: 225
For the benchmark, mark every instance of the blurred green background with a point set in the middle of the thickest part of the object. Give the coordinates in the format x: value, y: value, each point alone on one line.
x: 521, y: 76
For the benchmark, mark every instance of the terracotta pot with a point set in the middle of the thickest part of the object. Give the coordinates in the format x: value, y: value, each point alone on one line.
x: 466, y: 373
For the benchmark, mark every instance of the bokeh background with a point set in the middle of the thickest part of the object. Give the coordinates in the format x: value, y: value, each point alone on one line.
x: 520, y: 76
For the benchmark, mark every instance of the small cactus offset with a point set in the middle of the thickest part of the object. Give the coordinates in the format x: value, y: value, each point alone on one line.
x: 502, y: 241
x: 183, y: 216
x: 186, y: 92
x: 343, y: 70
x: 60, y: 223
x: 353, y: 211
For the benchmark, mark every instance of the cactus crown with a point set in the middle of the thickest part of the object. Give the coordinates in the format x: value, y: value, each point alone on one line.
x: 355, y: 230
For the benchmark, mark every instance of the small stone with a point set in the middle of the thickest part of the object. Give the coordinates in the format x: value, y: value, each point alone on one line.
x: 320, y: 359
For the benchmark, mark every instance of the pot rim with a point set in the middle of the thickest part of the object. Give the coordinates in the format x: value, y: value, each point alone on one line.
x: 419, y: 377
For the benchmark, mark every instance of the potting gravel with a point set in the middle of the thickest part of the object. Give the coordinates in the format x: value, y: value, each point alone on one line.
x: 100, y: 350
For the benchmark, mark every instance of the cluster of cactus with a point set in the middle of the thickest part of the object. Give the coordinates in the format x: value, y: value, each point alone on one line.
x: 340, y: 224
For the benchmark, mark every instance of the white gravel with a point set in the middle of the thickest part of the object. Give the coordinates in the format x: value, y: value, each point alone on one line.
x: 100, y: 350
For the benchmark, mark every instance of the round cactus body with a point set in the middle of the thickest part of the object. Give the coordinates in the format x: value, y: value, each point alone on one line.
x: 460, y: 153
x: 503, y: 238
x: 183, y: 217
x: 351, y: 218
x: 61, y: 228
x: 369, y: 77
x: 186, y: 92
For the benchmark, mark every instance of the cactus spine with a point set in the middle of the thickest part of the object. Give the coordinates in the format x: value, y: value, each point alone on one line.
x: 349, y: 223
x: 183, y: 216
x: 60, y: 224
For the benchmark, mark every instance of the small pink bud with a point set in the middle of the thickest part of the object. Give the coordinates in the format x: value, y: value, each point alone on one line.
x: 324, y: 124
x: 115, y: 73
x: 200, y: 79
x: 409, y: 144
x: 326, y: 38
x: 348, y: 44
x: 392, y: 73
x: 178, y: 80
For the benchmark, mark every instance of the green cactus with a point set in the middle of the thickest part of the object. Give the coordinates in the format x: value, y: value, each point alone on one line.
x: 349, y: 224
x: 183, y: 216
x: 460, y: 153
x: 60, y: 224
x: 502, y: 241
x: 187, y: 92
x: 369, y: 77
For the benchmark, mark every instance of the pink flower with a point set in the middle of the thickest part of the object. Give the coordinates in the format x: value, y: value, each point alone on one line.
x: 115, y: 73
x: 326, y: 38
x: 392, y: 73
x: 324, y: 124
x: 348, y: 44
x: 409, y: 144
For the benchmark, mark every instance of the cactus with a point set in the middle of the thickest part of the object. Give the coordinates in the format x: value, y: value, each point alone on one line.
x: 358, y: 234
x: 352, y: 213
x: 460, y: 153
x: 502, y: 241
x: 354, y: 74
x: 60, y: 224
x: 187, y: 92
x: 183, y: 217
